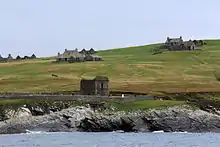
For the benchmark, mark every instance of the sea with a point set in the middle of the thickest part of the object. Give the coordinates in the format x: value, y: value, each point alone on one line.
x: 113, y: 139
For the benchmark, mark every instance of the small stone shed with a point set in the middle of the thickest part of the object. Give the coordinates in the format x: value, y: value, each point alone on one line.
x: 97, y: 86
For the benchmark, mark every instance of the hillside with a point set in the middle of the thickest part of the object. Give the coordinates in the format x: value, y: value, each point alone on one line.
x: 132, y: 69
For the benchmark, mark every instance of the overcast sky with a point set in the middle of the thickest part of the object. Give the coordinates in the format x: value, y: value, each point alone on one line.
x: 45, y: 27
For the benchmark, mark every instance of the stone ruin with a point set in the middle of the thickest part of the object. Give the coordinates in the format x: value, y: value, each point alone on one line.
x: 178, y: 44
x: 77, y: 56
x: 17, y: 58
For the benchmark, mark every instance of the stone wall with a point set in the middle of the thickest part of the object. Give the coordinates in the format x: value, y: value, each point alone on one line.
x: 87, y: 87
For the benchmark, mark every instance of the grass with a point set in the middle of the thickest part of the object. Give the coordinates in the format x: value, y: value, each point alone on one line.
x: 44, y: 104
x: 132, y: 69
x: 20, y: 101
x: 128, y: 106
x: 145, y: 105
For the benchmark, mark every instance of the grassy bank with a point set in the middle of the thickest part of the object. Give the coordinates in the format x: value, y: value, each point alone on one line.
x: 204, y: 101
x: 145, y: 105
x: 48, y: 104
x: 17, y: 103
x: 132, y: 69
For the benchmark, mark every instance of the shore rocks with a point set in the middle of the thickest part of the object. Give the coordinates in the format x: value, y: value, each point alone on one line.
x: 19, y: 113
x: 174, y: 119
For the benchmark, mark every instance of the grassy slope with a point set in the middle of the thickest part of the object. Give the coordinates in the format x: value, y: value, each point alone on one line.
x: 132, y: 69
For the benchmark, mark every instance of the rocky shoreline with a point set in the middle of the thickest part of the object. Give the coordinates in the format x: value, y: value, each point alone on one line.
x: 85, y: 119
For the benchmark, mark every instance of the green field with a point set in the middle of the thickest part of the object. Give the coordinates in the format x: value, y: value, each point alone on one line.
x: 132, y: 69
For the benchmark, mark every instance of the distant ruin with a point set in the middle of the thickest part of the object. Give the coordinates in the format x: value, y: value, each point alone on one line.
x: 177, y: 44
x: 88, y: 52
x: 76, y: 56
x: 10, y: 58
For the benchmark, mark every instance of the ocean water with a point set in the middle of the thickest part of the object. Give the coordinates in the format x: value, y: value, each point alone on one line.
x: 110, y: 140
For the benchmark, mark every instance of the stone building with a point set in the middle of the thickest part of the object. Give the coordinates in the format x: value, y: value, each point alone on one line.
x: 18, y: 57
x: 190, y: 45
x: 75, y: 56
x: 174, y: 44
x: 6, y: 59
x: 97, y: 86
x: 26, y: 57
x: 83, y: 51
x: 33, y: 56
x: 174, y: 41
x: 10, y: 57
x: 87, y: 52
x: 92, y: 58
x: 92, y: 51
x: 1, y: 58
x: 70, y: 56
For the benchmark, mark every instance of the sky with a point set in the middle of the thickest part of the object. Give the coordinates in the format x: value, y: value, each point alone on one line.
x: 45, y: 27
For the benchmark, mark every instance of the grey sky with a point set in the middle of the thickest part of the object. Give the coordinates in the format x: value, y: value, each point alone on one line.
x: 45, y: 27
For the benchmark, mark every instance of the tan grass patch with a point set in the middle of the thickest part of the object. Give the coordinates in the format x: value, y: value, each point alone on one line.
x: 24, y: 62
x: 6, y: 77
x: 147, y: 65
x: 197, y: 77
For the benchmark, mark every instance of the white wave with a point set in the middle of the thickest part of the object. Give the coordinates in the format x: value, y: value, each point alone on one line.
x: 34, y: 132
x: 161, y: 131
x: 118, y: 131
x: 180, y: 132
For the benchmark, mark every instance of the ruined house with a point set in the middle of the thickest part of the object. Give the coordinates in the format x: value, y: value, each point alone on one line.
x: 26, y: 57
x: 18, y: 57
x: 92, y: 58
x: 75, y: 56
x: 83, y: 51
x: 174, y: 44
x: 199, y: 42
x: 6, y: 59
x: 33, y: 56
x: 174, y: 41
x: 87, y: 52
x: 92, y: 51
x: 10, y: 57
x: 70, y: 56
x: 190, y: 45
x: 1, y: 58
x: 97, y: 86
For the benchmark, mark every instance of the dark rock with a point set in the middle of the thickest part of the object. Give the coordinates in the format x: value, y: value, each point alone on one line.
x: 175, y: 119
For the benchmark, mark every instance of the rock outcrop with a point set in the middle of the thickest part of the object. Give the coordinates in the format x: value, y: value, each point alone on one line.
x: 19, y: 113
x: 174, y: 119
